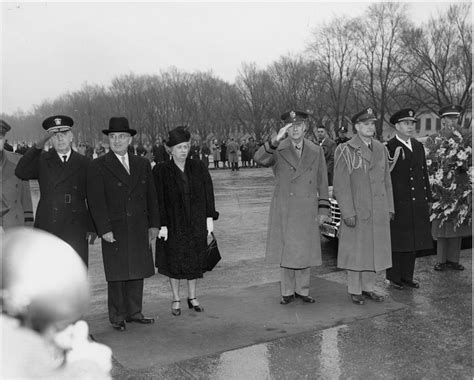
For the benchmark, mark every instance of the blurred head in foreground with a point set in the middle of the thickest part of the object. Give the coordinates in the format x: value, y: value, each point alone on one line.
x: 44, y: 281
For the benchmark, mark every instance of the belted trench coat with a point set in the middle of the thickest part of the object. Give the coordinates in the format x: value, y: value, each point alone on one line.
x: 299, y: 197
x: 363, y: 189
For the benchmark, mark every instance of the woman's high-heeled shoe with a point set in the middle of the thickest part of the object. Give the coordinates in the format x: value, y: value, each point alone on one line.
x: 174, y: 311
x: 197, y: 307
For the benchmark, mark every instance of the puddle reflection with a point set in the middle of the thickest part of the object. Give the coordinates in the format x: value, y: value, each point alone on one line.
x: 330, y: 357
x: 247, y: 363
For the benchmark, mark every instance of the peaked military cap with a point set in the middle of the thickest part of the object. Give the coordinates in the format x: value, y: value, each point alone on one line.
x: 58, y: 123
x: 294, y: 115
x: 119, y: 124
x: 401, y: 115
x: 4, y: 127
x: 366, y: 114
x: 450, y: 110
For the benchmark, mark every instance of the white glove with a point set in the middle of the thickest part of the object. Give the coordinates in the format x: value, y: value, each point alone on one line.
x: 163, y: 233
x: 210, y: 225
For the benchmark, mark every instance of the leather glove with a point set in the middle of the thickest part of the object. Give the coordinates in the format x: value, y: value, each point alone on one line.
x: 163, y: 233
x: 210, y: 226
x: 323, y: 218
x: 350, y: 222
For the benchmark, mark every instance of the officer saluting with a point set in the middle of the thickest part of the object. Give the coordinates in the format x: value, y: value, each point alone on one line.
x: 300, y: 204
x: 411, y: 227
x: 61, y: 173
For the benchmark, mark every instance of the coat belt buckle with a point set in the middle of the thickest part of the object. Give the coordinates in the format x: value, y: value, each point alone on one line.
x: 67, y: 198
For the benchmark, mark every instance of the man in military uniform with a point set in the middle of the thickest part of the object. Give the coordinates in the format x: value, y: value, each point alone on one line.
x: 16, y: 208
x: 411, y: 228
x: 449, y: 238
x: 300, y: 204
x: 363, y: 189
x: 61, y: 173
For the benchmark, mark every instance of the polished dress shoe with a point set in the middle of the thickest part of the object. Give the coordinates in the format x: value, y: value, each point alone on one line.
x: 440, y: 267
x: 195, y: 306
x: 373, y: 296
x: 119, y: 326
x: 286, y: 299
x: 395, y: 285
x: 307, y: 299
x: 453, y: 265
x: 357, y: 299
x: 411, y: 283
x: 142, y: 320
x: 175, y: 311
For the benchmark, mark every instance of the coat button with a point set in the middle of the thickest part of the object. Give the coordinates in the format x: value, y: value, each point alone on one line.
x: 413, y: 188
x: 414, y: 199
x: 291, y: 194
x: 411, y: 178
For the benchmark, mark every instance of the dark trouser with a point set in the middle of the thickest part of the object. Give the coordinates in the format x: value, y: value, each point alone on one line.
x: 125, y: 299
x: 448, y: 249
x: 403, y: 266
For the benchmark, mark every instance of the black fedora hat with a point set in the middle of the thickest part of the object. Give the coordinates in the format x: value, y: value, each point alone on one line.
x: 178, y: 135
x: 119, y: 124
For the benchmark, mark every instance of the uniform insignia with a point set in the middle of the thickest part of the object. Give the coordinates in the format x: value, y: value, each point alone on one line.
x: 410, y: 113
x: 293, y: 115
x: 369, y: 111
x: 57, y: 121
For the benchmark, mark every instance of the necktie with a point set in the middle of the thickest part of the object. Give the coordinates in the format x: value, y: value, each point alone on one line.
x: 370, y: 146
x: 125, y: 165
x: 298, y: 150
x: 64, y: 159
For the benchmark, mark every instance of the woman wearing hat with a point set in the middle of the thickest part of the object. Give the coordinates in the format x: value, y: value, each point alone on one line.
x: 187, y: 210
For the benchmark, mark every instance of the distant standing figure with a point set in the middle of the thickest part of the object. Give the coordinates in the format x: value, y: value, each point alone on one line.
x: 205, y: 152
x: 159, y: 152
x: 16, y: 208
x: 300, y: 204
x: 252, y: 148
x: 61, y: 173
x: 216, y: 153
x: 329, y: 147
x: 233, y: 149
x: 224, y: 154
x: 187, y: 210
x: 363, y: 189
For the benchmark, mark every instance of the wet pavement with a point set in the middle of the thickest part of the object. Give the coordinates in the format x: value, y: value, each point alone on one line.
x: 421, y: 333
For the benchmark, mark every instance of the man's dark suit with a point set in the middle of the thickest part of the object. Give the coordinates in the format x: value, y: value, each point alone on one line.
x: 127, y: 205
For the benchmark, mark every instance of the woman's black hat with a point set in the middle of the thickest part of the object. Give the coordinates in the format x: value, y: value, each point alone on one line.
x: 178, y: 135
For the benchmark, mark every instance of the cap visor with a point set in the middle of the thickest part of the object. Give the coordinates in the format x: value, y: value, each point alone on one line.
x: 62, y: 128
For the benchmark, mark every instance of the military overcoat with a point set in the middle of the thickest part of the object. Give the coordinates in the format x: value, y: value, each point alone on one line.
x: 300, y: 195
x: 17, y: 208
x: 363, y: 189
x: 62, y: 208
x: 411, y: 228
x: 125, y: 204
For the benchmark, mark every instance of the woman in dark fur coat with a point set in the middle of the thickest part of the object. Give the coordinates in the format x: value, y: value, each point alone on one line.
x: 187, y: 210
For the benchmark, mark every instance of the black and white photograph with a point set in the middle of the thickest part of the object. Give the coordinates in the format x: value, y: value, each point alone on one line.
x: 236, y: 190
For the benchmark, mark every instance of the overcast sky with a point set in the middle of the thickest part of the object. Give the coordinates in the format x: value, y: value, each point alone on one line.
x: 51, y: 48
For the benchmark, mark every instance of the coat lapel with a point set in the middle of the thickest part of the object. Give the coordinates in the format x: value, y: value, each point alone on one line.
x: 116, y: 167
x: 357, y: 143
x: 55, y: 166
x: 134, y: 170
x: 288, y: 153
x: 307, y: 158
x: 70, y: 168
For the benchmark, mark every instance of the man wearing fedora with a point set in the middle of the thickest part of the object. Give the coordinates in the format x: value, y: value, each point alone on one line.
x: 410, y: 228
x: 124, y: 207
x: 300, y: 204
x: 61, y: 174
x: 363, y: 189
x: 16, y: 208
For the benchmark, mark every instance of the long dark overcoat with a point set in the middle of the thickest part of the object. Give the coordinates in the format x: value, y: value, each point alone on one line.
x: 182, y: 255
x: 62, y: 208
x: 127, y: 206
x: 411, y: 228
x: 300, y: 195
x: 16, y: 207
x: 363, y: 189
